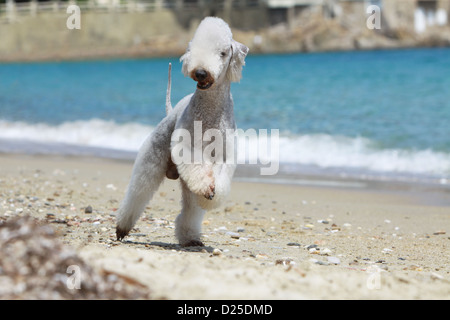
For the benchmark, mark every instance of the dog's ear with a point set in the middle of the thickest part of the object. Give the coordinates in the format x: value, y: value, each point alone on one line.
x: 185, y: 59
x: 234, y: 72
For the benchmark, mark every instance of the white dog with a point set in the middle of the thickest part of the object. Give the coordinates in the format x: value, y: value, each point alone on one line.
x: 214, y: 60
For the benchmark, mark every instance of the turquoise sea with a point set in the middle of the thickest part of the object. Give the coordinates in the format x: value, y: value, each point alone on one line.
x: 379, y: 113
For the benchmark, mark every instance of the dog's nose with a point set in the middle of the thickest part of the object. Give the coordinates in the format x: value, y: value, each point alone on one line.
x: 201, y: 74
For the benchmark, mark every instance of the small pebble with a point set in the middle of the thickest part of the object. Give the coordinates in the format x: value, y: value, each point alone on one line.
x: 217, y: 252
x: 335, y: 227
x: 347, y: 225
x: 285, y: 261
x: 88, y: 209
x: 221, y: 229
x: 334, y: 260
x: 436, y: 276
x: 73, y: 223
x: 233, y: 235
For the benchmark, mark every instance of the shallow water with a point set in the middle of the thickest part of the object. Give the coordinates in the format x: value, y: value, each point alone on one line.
x: 382, y: 112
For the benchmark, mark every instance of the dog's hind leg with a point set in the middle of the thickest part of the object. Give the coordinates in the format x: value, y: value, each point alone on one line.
x: 148, y: 172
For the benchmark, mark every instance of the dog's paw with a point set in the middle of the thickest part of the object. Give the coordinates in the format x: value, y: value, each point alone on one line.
x: 210, y: 192
x: 121, y: 233
x: 210, y: 189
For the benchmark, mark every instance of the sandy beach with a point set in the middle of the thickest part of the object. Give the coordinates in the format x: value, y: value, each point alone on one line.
x: 270, y: 241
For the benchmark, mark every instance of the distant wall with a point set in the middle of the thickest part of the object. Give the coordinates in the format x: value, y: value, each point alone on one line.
x: 161, y: 32
x: 46, y: 35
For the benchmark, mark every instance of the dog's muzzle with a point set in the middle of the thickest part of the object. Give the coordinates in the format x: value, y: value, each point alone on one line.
x: 203, y: 78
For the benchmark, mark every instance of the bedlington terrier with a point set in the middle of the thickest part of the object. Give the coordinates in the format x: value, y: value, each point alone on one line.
x: 214, y: 60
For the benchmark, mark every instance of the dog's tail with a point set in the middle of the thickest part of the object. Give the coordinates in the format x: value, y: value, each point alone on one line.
x: 169, y: 85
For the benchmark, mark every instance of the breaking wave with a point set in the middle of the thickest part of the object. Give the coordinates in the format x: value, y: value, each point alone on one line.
x: 319, y: 150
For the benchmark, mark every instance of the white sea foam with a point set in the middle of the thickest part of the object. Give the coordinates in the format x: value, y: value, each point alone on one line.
x: 319, y: 150
x: 91, y: 133
x: 360, y: 153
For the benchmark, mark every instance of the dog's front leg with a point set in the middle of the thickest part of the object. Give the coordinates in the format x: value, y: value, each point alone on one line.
x: 199, y: 178
x: 188, y: 223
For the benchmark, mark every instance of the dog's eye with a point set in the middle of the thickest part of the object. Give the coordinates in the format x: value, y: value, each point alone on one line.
x: 223, y: 54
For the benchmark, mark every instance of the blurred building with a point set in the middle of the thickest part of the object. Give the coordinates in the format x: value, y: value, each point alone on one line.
x: 255, y: 14
x: 420, y: 14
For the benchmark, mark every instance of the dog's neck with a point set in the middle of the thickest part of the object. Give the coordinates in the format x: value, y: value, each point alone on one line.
x: 211, y: 103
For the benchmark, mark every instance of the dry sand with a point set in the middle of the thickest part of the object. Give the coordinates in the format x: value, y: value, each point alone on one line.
x: 269, y: 241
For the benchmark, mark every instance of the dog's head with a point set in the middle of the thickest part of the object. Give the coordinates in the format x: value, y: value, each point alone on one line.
x: 212, y: 55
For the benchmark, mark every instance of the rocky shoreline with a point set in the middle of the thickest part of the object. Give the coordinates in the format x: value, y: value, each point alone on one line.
x: 132, y: 36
